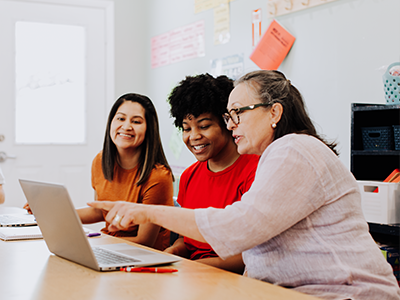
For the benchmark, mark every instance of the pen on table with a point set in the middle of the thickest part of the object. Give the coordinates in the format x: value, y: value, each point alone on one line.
x: 149, y: 270
x: 92, y: 234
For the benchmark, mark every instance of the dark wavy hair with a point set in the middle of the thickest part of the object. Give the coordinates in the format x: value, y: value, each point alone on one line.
x: 152, y: 150
x: 200, y: 94
x: 271, y: 87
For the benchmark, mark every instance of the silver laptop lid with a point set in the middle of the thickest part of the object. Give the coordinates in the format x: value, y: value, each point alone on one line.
x: 63, y: 233
x: 59, y: 222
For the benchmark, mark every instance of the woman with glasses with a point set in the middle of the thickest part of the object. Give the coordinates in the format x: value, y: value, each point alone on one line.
x: 300, y: 225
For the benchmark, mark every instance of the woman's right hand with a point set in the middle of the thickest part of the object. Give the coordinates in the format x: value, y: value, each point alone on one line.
x: 28, y: 208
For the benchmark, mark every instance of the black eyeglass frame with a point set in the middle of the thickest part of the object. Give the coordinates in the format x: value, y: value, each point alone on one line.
x: 227, y: 116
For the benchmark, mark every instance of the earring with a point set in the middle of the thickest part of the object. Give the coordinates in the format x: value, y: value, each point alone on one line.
x: 273, y: 125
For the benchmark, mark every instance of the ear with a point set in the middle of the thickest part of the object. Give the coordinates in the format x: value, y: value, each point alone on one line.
x: 276, y: 112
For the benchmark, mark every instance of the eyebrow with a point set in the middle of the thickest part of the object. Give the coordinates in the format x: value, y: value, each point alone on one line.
x: 199, y: 121
x: 204, y: 119
x: 237, y: 104
x: 136, y: 116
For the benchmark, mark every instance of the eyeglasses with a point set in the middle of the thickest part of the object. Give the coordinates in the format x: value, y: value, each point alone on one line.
x: 234, y: 113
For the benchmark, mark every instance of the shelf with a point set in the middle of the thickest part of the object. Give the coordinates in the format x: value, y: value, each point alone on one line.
x: 373, y: 107
x: 375, y: 152
x: 386, y: 234
x: 374, y: 165
x: 393, y: 229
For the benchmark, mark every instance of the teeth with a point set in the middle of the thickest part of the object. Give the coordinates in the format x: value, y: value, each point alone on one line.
x: 198, y: 147
x: 127, y: 135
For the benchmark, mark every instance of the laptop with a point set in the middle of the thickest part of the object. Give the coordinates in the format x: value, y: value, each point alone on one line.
x: 13, y: 220
x: 63, y: 233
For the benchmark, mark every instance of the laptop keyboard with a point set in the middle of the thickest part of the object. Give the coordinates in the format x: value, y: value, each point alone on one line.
x: 105, y: 257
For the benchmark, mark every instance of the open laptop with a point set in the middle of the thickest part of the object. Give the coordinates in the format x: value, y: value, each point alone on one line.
x: 63, y: 233
x: 15, y: 220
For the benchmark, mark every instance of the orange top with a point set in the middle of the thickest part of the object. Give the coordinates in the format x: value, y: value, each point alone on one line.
x: 157, y: 190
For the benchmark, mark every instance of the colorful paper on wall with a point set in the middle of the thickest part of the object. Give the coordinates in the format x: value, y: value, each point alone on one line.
x: 256, y: 26
x: 273, y: 47
x: 221, y: 24
x: 231, y: 66
x: 183, y: 43
x: 202, y: 5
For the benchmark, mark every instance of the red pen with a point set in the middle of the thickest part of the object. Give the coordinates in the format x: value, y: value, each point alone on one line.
x: 148, y: 270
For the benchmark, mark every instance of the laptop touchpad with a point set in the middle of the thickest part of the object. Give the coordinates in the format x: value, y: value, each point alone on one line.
x: 128, y: 250
x: 135, y: 252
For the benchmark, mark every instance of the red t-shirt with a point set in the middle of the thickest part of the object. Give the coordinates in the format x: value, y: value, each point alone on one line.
x: 201, y: 188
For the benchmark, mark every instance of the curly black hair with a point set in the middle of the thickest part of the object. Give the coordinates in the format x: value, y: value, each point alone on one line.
x: 199, y: 94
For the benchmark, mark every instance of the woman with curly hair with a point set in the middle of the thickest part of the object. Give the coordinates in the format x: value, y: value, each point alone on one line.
x: 221, y: 175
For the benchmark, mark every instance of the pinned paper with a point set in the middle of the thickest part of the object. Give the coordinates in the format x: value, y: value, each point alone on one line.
x: 221, y: 24
x: 202, y: 5
x: 273, y: 47
x: 231, y: 66
x: 256, y: 26
x: 182, y: 43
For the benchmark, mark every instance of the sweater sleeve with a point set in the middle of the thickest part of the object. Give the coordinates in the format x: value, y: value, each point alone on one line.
x: 287, y: 188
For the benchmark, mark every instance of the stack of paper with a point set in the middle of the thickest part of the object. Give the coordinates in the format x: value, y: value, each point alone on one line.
x: 20, y: 233
x: 29, y: 233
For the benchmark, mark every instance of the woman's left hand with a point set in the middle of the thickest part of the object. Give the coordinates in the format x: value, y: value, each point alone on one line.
x: 122, y: 215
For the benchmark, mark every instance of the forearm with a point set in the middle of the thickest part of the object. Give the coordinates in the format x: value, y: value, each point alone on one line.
x: 179, y: 220
x: 234, y: 264
x: 176, y: 219
x: 89, y: 215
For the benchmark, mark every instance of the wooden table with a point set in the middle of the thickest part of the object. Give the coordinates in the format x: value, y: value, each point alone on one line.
x: 29, y: 271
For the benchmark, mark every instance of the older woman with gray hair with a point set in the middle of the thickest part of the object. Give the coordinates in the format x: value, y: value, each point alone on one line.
x: 300, y: 225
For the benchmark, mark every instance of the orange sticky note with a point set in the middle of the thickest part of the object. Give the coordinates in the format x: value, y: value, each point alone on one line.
x: 273, y: 47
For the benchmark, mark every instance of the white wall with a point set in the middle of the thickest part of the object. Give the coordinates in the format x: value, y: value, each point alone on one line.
x: 339, y: 49
x: 131, y: 46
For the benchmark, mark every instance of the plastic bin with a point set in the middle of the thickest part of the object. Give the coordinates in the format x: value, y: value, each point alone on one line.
x: 396, y: 137
x: 377, y: 138
x: 382, y: 205
x: 391, y: 86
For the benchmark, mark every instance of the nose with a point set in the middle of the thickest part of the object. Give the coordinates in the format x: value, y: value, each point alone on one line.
x: 194, y: 134
x: 230, y: 125
x: 127, y: 125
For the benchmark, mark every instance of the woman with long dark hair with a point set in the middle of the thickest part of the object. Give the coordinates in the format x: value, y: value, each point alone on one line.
x: 132, y: 167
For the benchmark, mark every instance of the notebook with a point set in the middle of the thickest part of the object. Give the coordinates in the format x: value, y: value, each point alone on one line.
x: 30, y: 233
x: 11, y: 220
x: 20, y: 233
x: 63, y: 233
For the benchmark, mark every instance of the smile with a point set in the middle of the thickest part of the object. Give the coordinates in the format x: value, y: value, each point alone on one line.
x: 199, y: 147
x: 237, y: 138
x: 126, y: 135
